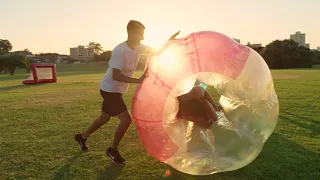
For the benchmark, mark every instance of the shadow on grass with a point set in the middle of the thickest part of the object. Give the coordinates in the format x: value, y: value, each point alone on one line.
x: 313, y: 126
x: 59, y: 74
x: 302, y: 118
x: 16, y: 87
x: 14, y: 77
x: 64, y: 171
x: 279, y: 159
x: 110, y: 172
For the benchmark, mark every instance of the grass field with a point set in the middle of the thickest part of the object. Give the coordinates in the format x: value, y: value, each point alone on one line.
x: 38, y: 124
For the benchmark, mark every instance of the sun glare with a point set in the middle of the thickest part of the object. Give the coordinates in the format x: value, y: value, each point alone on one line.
x: 169, y: 58
x: 156, y: 35
x: 155, y: 41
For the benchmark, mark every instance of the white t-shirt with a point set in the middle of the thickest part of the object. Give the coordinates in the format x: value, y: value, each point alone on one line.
x: 124, y: 59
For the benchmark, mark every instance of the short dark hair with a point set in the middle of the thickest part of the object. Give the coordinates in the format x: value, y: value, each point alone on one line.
x: 132, y: 25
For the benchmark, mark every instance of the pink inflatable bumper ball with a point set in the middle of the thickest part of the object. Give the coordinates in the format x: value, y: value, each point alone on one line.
x: 247, y: 95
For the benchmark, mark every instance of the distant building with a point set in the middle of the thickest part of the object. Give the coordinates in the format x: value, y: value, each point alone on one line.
x: 254, y: 45
x: 82, y: 53
x: 35, y: 58
x: 299, y: 38
x: 238, y: 40
x: 318, y: 49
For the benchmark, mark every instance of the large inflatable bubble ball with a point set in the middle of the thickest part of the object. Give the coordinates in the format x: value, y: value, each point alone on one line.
x: 244, y: 82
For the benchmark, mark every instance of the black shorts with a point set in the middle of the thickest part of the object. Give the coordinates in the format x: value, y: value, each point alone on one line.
x: 193, y: 107
x: 113, y: 103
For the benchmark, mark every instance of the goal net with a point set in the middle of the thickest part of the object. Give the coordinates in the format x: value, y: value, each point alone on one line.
x: 42, y: 73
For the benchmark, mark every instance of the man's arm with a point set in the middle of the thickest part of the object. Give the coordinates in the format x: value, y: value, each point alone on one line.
x: 117, y: 76
x: 117, y: 63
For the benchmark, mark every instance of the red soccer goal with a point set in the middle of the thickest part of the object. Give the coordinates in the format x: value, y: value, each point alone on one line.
x: 42, y: 73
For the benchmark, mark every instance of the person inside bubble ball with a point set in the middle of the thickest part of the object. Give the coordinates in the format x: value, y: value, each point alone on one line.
x: 198, y: 107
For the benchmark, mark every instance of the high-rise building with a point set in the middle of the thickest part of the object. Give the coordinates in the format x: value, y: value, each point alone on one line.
x: 300, y: 38
x: 82, y: 53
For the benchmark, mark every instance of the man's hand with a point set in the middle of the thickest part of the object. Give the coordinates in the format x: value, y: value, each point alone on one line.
x: 174, y: 36
x: 144, y: 75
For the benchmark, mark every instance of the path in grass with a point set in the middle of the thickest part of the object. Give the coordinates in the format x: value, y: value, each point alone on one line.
x: 38, y: 124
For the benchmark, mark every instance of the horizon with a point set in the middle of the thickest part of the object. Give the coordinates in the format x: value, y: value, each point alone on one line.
x: 56, y: 26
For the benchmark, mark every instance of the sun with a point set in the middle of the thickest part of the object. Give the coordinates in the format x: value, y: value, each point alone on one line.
x: 169, y: 58
x: 155, y: 41
x: 156, y: 35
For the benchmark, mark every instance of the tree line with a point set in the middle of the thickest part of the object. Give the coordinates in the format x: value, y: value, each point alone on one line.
x: 10, y: 62
x: 287, y: 54
x: 279, y: 54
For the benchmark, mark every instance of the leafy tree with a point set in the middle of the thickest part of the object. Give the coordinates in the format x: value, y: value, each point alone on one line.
x: 28, y: 62
x: 287, y: 54
x: 5, y: 46
x: 258, y: 49
x: 49, y: 57
x: 70, y: 60
x: 105, y: 56
x: 305, y: 60
x: 12, y: 61
x: 97, y: 48
x: 316, y: 57
x: 2, y: 65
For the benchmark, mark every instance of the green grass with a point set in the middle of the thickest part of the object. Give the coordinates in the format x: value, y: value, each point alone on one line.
x: 38, y: 123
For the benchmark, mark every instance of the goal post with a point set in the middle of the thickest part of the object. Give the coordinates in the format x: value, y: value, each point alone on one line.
x: 42, y: 73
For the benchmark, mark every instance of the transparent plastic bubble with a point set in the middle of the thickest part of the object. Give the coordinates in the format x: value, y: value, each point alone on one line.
x: 245, y: 84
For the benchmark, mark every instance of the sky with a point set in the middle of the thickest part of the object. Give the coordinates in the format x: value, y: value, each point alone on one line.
x: 56, y: 25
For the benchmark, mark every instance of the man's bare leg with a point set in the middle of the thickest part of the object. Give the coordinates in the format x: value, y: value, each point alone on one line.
x: 125, y: 121
x: 82, y: 138
x: 104, y: 118
x: 112, y: 151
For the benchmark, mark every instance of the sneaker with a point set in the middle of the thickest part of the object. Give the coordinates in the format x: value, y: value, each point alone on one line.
x: 81, y: 142
x: 115, y: 156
